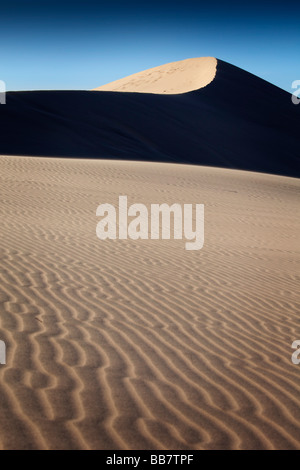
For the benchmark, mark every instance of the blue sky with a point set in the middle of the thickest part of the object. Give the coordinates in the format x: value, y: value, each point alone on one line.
x: 82, y: 45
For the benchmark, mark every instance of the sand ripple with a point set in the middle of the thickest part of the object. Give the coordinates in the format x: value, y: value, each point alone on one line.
x: 144, y: 345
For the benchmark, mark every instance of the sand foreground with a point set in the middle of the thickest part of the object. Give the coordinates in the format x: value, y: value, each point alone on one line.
x: 123, y: 344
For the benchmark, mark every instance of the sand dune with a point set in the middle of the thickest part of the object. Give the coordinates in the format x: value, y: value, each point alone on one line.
x: 235, y: 121
x: 144, y: 345
x: 176, y: 77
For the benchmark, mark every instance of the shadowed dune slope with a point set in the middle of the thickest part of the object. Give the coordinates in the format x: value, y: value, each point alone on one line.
x: 237, y: 121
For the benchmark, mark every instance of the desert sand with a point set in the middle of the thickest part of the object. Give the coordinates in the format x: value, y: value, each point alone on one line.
x: 173, y: 78
x: 123, y: 344
x: 236, y: 121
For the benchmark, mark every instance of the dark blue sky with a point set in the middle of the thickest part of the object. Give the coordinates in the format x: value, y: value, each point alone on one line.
x: 82, y: 45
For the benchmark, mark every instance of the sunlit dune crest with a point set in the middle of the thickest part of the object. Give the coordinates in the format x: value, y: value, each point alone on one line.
x: 173, y: 78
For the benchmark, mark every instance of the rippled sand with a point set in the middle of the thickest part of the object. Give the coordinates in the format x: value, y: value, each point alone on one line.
x: 127, y: 344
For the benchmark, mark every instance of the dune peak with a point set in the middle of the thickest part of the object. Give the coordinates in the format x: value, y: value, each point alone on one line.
x: 172, y: 78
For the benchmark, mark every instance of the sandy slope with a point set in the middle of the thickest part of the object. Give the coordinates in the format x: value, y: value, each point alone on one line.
x: 144, y: 345
x: 236, y: 121
x: 175, y: 77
